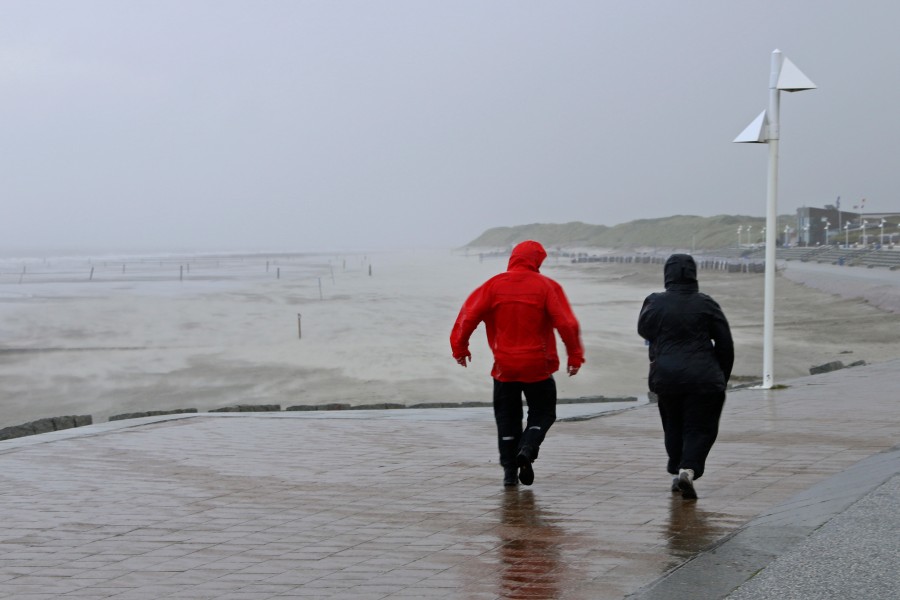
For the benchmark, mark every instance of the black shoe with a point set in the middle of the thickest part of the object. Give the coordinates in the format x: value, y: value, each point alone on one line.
x: 510, y: 476
x: 686, y: 484
x: 676, y: 489
x: 524, y: 458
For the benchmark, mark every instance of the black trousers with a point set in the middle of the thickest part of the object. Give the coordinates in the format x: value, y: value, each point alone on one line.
x: 541, y: 399
x: 691, y: 424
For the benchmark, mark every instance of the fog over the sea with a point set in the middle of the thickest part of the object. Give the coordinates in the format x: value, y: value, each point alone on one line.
x: 314, y: 125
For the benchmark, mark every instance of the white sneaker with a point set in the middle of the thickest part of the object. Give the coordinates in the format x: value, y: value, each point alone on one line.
x: 686, y: 484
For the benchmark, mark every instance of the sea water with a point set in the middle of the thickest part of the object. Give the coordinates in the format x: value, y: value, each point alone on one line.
x: 115, y: 333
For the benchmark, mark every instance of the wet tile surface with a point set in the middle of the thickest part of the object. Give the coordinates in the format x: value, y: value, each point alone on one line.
x: 281, y: 506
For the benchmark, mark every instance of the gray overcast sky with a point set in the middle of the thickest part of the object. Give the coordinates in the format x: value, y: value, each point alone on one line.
x: 339, y: 125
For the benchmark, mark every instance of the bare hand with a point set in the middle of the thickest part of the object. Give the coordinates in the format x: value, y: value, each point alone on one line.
x: 462, y: 359
x: 573, y: 370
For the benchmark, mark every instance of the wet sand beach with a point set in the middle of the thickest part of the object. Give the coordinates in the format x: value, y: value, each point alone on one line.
x: 325, y: 330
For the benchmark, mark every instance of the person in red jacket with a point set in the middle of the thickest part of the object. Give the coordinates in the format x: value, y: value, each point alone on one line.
x: 520, y: 309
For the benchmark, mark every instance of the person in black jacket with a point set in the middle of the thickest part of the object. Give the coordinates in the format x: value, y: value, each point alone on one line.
x: 691, y: 356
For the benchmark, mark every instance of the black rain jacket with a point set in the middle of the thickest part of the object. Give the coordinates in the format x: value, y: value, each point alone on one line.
x: 691, y: 350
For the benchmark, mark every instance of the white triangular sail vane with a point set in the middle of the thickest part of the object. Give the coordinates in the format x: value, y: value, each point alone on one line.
x: 756, y: 132
x: 792, y: 79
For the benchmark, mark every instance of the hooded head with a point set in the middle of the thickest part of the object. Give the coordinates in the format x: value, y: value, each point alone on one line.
x: 680, y: 270
x: 527, y: 255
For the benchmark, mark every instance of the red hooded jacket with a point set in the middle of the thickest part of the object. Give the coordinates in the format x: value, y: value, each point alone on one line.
x: 520, y: 309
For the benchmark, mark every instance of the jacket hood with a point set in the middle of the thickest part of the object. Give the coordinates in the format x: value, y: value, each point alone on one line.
x: 527, y: 255
x: 680, y: 269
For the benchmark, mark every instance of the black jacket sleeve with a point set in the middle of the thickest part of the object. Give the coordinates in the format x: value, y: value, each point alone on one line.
x: 720, y: 333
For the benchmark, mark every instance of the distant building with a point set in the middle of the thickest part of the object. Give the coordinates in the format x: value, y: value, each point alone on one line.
x: 822, y: 226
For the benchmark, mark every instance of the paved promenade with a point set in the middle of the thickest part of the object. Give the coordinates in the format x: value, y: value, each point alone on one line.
x: 409, y: 504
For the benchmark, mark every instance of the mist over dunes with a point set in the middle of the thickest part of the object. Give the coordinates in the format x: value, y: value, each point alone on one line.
x: 679, y: 231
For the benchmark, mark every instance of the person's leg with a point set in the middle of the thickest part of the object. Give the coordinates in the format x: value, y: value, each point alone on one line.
x: 508, y: 416
x: 671, y: 409
x: 541, y: 399
x: 701, y: 427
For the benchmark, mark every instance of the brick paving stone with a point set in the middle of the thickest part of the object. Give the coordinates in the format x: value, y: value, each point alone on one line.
x: 293, y: 505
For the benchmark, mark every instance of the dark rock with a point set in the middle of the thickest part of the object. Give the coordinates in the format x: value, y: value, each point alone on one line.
x: 834, y: 365
x: 43, y: 425
x: 135, y: 415
x: 152, y: 413
x: 16, y: 431
x: 249, y: 408
x: 63, y: 423
x: 333, y: 406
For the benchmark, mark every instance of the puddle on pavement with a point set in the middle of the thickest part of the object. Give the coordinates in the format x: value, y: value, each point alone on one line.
x: 690, y: 529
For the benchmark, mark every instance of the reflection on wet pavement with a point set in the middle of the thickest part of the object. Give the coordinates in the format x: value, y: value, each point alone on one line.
x: 691, y: 529
x: 531, y: 548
